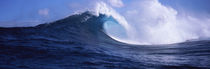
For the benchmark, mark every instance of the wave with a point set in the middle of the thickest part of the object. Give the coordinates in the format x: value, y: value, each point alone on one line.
x: 149, y: 23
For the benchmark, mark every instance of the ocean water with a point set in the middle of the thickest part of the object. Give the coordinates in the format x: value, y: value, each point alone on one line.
x: 80, y: 42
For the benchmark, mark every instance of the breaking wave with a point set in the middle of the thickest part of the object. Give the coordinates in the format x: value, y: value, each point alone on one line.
x: 147, y: 23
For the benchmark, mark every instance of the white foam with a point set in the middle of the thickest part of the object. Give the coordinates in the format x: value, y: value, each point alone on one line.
x: 150, y: 22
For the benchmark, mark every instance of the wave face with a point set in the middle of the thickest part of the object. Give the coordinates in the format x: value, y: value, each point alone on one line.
x: 81, y: 27
x: 81, y: 41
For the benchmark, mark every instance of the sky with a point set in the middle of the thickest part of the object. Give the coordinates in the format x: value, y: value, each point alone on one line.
x: 33, y: 12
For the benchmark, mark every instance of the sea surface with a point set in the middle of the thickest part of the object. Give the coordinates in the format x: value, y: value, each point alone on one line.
x: 79, y: 42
